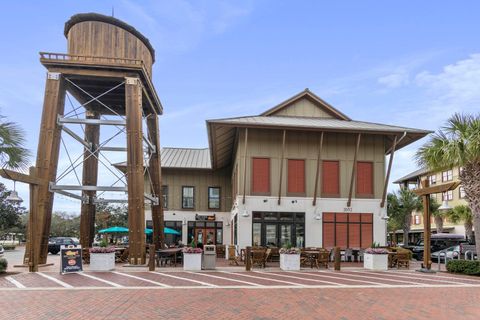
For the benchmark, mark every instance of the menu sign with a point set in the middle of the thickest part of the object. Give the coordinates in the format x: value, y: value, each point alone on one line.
x: 70, y: 259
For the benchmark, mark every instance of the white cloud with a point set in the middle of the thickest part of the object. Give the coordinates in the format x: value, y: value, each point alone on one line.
x: 395, y: 80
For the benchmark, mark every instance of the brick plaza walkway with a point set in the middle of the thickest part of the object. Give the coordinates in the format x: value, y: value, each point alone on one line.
x: 349, y: 294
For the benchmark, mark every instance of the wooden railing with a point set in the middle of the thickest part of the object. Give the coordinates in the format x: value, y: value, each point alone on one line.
x: 89, y: 59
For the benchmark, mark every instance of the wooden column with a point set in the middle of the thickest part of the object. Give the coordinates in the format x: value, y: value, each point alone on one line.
x: 281, y: 168
x: 354, y: 171
x: 245, y: 165
x: 89, y: 178
x: 427, y: 228
x: 156, y: 179
x: 47, y: 161
x: 135, y: 182
x: 32, y: 248
x: 387, y: 177
x: 317, y: 174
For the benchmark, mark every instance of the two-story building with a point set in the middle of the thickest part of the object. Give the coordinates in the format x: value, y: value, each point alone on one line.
x: 301, y: 173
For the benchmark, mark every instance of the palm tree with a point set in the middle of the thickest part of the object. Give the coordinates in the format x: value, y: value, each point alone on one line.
x: 462, y: 213
x: 401, y: 205
x: 13, y: 155
x: 457, y: 144
x: 438, y: 215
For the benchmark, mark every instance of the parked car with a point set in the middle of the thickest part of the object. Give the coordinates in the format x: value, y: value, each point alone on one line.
x: 452, y: 253
x: 438, y: 242
x: 55, y: 243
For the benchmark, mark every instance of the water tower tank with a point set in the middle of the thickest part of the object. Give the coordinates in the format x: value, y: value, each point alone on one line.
x: 93, y: 34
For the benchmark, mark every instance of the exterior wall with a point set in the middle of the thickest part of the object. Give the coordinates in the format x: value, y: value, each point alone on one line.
x: 303, y: 108
x: 201, y: 180
x: 304, y: 145
x: 313, y: 227
x: 186, y: 216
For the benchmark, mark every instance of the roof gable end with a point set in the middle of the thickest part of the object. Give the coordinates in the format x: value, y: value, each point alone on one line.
x: 305, y: 104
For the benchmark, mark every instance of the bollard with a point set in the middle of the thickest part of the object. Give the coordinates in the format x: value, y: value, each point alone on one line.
x: 151, y: 257
x: 337, y: 258
x: 248, y: 261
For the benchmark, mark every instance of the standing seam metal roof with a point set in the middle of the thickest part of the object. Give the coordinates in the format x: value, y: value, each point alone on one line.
x: 186, y: 158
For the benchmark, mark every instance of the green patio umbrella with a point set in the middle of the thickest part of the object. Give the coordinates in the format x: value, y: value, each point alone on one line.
x: 114, y: 230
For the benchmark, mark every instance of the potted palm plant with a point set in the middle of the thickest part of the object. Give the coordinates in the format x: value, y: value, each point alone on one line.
x: 102, y: 258
x: 289, y: 258
x: 192, y: 257
x: 375, y: 258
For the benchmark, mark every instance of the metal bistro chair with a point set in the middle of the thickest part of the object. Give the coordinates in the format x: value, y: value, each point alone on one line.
x: 323, y: 258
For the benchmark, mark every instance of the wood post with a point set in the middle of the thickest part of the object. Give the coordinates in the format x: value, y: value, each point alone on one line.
x: 387, y: 177
x: 47, y: 161
x: 248, y: 260
x: 245, y: 165
x: 337, y: 258
x: 427, y: 228
x: 354, y: 171
x: 151, y: 257
x: 32, y: 248
x: 156, y: 180
x: 89, y: 178
x: 281, y: 167
x: 135, y: 176
x: 317, y: 174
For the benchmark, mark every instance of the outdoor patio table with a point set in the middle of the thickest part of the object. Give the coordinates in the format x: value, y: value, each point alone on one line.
x: 167, y: 253
x: 392, y: 259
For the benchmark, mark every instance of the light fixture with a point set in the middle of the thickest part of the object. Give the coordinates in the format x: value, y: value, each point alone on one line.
x: 13, y: 196
x: 318, y: 217
x: 444, y: 206
x: 294, y: 201
x: 245, y: 213
x: 265, y: 200
x: 184, y: 221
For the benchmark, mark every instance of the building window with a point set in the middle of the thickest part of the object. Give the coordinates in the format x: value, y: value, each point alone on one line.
x: 417, y: 219
x: 448, y: 195
x: 347, y: 230
x: 296, y: 177
x: 432, y: 179
x: 205, y: 232
x: 213, y: 198
x: 261, y: 176
x: 173, y: 238
x: 364, y: 179
x: 278, y: 229
x: 447, y: 175
x: 330, y: 178
x: 188, y: 197
x: 165, y: 197
x: 461, y: 191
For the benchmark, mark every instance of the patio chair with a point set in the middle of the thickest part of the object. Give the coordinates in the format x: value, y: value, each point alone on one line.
x: 267, y: 256
x: 232, y: 256
x: 258, y: 258
x: 86, y: 255
x: 124, y: 256
x: 360, y: 254
x: 403, y: 260
x: 323, y: 259
x: 348, y: 255
x: 220, y: 250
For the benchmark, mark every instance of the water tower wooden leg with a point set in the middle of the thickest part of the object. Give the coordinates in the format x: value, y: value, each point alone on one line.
x: 47, y: 161
x: 89, y: 178
x: 135, y: 178
x: 156, y: 179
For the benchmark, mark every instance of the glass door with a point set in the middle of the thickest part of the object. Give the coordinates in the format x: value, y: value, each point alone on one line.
x: 271, y: 235
x: 199, y: 236
x: 286, y: 235
x: 210, y: 236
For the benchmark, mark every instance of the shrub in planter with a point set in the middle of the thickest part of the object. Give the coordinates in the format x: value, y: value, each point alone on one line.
x: 102, y: 258
x: 289, y: 258
x: 464, y: 266
x: 8, y: 246
x: 3, y: 265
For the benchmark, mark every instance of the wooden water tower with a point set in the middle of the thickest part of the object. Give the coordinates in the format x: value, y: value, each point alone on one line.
x: 108, y: 69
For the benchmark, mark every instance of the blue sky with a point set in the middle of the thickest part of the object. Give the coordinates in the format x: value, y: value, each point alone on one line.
x: 409, y: 63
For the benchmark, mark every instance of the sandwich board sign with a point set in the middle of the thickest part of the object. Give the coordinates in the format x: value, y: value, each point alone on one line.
x: 70, y: 259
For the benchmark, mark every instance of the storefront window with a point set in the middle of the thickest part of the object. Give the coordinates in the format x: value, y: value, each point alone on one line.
x: 276, y: 229
x: 210, y: 232
x: 257, y: 234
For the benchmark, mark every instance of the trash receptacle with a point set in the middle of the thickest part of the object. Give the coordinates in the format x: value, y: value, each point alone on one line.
x: 209, y: 257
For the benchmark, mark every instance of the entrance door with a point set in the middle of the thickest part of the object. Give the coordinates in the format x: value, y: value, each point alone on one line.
x: 199, y: 235
x: 286, y: 234
x: 210, y: 236
x: 205, y: 235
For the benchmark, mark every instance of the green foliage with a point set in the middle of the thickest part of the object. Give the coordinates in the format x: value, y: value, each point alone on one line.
x: 65, y: 225
x: 110, y: 215
x: 400, y: 206
x: 464, y: 266
x: 460, y: 213
x: 434, y: 205
x: 13, y: 155
x: 103, y: 243
x: 10, y: 214
x: 8, y: 246
x: 3, y: 265
x: 375, y: 245
x: 193, y: 244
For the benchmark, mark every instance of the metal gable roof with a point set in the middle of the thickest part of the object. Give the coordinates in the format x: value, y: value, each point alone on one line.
x: 186, y: 158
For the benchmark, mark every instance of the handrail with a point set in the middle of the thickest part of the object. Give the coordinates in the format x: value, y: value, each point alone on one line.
x: 86, y: 58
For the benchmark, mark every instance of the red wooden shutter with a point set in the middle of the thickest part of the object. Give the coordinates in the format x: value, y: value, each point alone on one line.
x: 330, y: 178
x: 261, y: 175
x: 296, y: 176
x: 364, y: 178
x: 367, y: 235
x: 341, y: 235
x: 354, y: 235
x: 328, y: 235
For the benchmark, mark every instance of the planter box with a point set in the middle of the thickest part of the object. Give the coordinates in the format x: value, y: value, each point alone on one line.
x: 192, y: 261
x: 290, y: 262
x: 102, y: 261
x: 375, y: 261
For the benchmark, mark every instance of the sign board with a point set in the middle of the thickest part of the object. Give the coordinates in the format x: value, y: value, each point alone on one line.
x: 204, y: 218
x: 71, y: 259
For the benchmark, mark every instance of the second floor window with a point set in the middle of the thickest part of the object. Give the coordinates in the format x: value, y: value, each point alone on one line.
x: 447, y: 195
x: 188, y: 197
x: 165, y: 196
x: 417, y: 219
x: 432, y: 179
x: 447, y: 175
x: 213, y: 198
x: 461, y: 192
